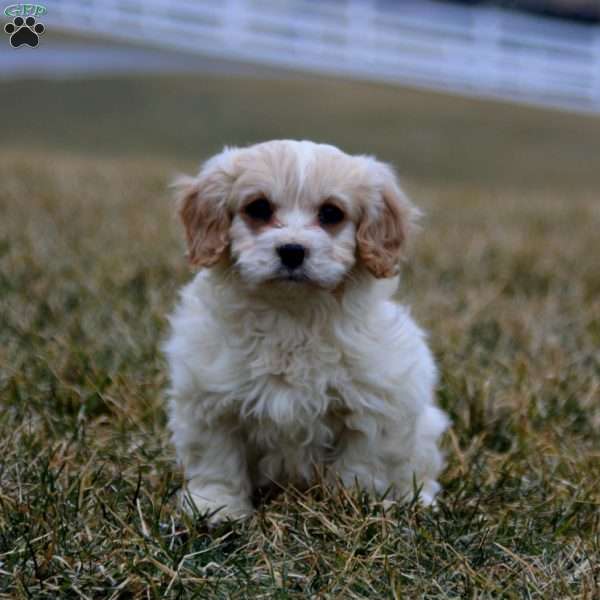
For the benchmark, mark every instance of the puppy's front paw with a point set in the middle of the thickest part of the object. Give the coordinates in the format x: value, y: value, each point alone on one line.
x: 215, y: 510
x: 428, y: 492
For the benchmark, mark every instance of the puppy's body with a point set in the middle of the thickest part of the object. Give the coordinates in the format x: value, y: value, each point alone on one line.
x: 280, y: 373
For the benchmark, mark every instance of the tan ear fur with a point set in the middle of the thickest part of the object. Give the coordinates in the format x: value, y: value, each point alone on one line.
x: 201, y: 207
x: 382, y: 238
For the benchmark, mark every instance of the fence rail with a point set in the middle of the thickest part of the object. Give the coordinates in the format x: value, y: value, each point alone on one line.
x: 472, y: 50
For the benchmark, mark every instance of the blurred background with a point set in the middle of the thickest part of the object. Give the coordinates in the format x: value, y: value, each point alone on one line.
x: 504, y: 91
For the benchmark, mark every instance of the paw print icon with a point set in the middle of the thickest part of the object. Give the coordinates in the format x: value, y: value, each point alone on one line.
x: 24, y: 32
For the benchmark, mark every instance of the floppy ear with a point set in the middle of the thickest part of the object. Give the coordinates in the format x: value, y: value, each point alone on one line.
x: 383, y: 231
x: 202, y: 207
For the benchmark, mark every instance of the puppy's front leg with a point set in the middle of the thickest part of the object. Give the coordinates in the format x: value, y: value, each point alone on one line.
x: 216, y: 473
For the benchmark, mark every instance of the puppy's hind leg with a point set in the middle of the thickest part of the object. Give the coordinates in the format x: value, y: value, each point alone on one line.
x: 359, y: 460
x: 389, y: 457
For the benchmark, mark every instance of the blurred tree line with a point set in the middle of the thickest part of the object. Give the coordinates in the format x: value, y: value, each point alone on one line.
x: 581, y: 10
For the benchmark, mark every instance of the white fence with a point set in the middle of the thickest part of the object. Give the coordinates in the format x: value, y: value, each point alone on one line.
x: 475, y: 50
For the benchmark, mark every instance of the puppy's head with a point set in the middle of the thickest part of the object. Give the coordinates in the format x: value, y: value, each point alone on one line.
x: 295, y: 212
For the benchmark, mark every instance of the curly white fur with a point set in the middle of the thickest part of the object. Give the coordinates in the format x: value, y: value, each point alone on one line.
x: 274, y: 379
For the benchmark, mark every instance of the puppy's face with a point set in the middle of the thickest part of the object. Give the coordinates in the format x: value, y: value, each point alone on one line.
x: 295, y: 212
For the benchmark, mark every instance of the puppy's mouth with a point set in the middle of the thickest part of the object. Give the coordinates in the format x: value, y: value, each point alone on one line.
x: 293, y: 276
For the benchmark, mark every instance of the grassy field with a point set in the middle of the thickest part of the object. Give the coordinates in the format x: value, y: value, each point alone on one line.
x: 505, y: 276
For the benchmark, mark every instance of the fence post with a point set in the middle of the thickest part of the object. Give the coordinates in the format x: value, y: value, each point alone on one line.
x: 360, y: 48
x: 595, y: 83
x: 234, y: 18
x: 487, y: 50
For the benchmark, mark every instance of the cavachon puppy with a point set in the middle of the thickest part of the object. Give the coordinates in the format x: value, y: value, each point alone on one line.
x: 288, y: 357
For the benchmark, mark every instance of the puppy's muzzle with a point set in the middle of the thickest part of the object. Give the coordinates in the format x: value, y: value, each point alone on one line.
x: 291, y: 255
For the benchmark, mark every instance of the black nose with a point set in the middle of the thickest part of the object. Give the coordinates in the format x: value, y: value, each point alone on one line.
x: 291, y: 255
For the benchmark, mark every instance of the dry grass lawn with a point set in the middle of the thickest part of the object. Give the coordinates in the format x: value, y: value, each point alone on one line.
x: 505, y: 276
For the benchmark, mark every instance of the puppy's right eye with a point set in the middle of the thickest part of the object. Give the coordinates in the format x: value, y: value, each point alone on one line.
x: 259, y: 210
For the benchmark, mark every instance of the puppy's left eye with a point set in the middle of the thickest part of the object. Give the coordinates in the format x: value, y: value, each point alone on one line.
x: 330, y: 214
